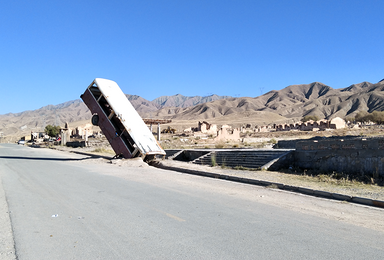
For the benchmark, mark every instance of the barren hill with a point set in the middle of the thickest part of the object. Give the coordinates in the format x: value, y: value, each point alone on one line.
x: 183, y: 101
x: 292, y: 102
x: 286, y: 105
x: 75, y: 111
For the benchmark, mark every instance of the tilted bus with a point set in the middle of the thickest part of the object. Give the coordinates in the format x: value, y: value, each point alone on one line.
x: 125, y: 130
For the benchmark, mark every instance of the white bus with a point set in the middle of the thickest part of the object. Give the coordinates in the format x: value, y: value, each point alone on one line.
x: 118, y: 119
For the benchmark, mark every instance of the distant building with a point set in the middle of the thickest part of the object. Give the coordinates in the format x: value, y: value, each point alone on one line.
x: 82, y: 131
x: 207, y: 128
x: 226, y: 133
x: 335, y: 123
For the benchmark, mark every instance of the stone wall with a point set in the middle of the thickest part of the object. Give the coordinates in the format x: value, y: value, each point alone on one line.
x: 361, y: 156
x: 226, y: 133
x: 323, y: 124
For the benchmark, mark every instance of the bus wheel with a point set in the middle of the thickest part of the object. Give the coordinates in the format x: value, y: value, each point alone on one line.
x: 95, y: 120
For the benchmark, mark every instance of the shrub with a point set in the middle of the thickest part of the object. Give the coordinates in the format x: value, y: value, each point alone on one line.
x: 103, y: 150
x: 220, y: 144
x: 213, y: 160
x: 308, y: 118
x: 223, y: 165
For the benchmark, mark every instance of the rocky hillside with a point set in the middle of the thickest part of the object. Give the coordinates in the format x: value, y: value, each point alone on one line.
x: 76, y: 110
x: 288, y: 104
x: 292, y: 102
x: 183, y: 101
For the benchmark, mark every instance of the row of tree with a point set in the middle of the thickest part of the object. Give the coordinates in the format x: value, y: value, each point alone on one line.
x: 375, y: 117
x: 363, y: 116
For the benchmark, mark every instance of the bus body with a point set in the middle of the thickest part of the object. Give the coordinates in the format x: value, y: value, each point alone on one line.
x: 118, y: 119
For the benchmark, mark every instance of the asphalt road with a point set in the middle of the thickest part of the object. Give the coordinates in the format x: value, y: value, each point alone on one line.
x: 67, y: 206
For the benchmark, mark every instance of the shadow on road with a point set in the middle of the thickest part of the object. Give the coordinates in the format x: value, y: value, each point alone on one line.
x: 47, y: 159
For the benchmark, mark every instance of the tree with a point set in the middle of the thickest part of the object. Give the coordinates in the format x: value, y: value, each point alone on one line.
x: 307, y: 118
x: 350, y: 119
x: 375, y: 117
x: 52, y: 130
x: 362, y: 116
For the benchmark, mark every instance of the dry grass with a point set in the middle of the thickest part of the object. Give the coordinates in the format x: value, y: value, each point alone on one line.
x: 213, y: 160
x: 103, y: 150
x: 347, y: 184
x: 220, y: 144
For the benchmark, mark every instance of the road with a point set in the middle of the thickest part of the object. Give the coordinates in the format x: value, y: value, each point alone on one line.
x: 69, y: 206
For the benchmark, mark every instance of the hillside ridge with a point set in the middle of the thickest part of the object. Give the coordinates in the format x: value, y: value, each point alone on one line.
x: 286, y: 105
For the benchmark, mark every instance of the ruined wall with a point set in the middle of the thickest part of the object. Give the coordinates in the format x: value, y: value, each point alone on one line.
x: 207, y: 128
x: 226, y: 133
x: 323, y: 124
x: 353, y: 156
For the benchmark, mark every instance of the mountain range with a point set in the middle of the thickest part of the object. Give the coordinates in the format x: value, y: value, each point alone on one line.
x: 285, y: 105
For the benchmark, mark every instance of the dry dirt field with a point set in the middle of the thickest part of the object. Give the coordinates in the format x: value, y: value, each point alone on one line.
x: 181, y: 140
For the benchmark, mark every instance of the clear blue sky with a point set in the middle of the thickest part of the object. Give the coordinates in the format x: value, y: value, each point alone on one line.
x: 52, y: 50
